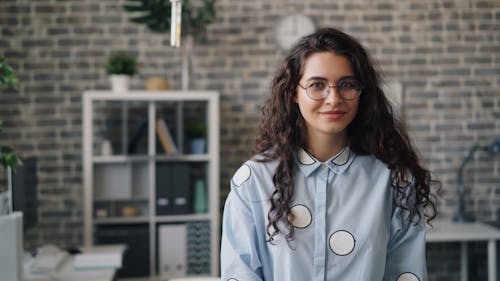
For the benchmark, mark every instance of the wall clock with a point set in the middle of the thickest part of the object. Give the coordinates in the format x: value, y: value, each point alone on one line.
x: 291, y: 28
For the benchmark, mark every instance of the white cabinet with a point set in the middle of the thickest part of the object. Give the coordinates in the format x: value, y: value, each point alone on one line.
x: 141, y: 178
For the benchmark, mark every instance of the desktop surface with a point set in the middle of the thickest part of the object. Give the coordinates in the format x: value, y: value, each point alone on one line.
x: 67, y: 271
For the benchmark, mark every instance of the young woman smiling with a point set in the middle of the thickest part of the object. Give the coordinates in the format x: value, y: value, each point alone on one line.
x: 336, y: 190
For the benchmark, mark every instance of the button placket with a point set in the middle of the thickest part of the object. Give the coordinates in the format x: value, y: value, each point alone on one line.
x: 320, y: 224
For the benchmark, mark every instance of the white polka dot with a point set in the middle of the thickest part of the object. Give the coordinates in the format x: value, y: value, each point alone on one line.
x: 302, y: 216
x: 407, y: 276
x: 241, y: 175
x: 305, y: 158
x: 342, y: 158
x: 342, y: 242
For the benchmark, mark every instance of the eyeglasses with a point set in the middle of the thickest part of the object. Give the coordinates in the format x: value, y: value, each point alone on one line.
x: 319, y: 88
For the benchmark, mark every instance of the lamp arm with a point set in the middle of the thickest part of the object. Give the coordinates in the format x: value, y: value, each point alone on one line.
x: 460, y: 178
x: 461, y: 215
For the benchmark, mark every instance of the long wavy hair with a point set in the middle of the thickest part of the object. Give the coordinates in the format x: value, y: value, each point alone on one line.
x: 374, y: 131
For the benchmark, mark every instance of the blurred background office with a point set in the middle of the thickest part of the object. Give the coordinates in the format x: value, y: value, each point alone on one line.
x: 444, y: 54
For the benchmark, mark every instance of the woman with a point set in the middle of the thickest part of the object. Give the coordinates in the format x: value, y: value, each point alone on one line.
x: 335, y: 191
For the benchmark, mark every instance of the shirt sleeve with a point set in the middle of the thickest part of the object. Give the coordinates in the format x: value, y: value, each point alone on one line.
x: 240, y: 259
x: 406, y: 249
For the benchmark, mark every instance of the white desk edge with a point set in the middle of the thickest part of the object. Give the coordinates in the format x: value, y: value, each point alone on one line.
x: 445, y: 230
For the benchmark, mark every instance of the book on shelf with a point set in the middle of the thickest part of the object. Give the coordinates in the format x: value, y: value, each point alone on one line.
x: 139, y: 133
x: 165, y: 137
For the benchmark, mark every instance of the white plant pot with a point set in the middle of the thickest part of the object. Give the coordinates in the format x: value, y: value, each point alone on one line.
x: 106, y: 148
x: 119, y: 83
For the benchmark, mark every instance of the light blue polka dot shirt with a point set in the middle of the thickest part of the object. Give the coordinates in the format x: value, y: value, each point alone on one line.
x: 346, y: 227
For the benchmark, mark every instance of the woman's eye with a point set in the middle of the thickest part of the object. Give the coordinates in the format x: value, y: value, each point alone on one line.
x: 348, y: 85
x: 317, y: 85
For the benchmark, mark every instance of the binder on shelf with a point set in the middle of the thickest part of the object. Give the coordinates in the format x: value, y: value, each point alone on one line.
x: 172, y: 248
x: 165, y: 137
x: 182, y: 189
x: 173, y: 189
x: 164, y: 196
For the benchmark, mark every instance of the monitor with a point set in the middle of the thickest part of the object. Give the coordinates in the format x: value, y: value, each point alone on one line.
x: 24, y: 192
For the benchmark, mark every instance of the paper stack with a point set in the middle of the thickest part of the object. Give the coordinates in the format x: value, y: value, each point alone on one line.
x: 98, y: 261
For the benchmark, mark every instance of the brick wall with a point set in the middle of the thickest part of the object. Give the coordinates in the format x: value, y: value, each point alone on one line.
x: 445, y: 53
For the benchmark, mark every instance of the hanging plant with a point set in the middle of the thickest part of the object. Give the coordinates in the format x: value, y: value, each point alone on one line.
x: 8, y: 80
x: 155, y: 14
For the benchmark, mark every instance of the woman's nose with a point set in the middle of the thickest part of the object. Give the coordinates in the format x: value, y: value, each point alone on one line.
x: 333, y: 95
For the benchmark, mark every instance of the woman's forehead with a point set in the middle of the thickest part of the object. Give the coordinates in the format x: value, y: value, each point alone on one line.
x: 327, y: 65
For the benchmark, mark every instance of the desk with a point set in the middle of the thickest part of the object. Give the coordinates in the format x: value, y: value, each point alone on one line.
x: 67, y: 272
x: 447, y: 231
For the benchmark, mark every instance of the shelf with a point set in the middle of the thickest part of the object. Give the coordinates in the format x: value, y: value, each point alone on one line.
x: 158, y: 96
x: 139, y: 189
x: 144, y: 158
x: 121, y: 220
x: 158, y: 219
x: 182, y: 218
x: 120, y: 158
x: 132, y: 199
x: 184, y: 157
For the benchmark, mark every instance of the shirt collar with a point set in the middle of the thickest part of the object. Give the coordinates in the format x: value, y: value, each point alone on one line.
x: 339, y: 163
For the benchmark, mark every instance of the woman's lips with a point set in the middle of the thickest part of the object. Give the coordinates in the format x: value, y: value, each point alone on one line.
x: 333, y: 114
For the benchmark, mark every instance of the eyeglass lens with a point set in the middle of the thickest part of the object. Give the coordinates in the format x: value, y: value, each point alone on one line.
x: 318, y: 88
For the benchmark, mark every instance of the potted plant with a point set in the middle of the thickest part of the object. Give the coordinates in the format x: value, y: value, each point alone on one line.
x: 8, y: 80
x: 121, y: 67
x: 156, y: 15
x: 196, y: 132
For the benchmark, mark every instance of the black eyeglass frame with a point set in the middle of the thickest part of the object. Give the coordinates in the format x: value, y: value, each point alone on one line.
x: 359, y: 89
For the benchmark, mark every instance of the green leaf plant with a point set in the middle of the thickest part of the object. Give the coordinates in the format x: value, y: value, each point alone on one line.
x: 155, y: 14
x: 121, y: 63
x: 8, y: 80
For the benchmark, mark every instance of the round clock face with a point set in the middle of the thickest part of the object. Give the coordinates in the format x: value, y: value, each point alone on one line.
x: 291, y: 28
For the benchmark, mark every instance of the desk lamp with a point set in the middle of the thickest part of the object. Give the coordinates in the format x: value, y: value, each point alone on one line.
x: 462, y: 216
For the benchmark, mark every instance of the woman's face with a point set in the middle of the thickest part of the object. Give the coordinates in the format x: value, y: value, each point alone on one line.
x: 331, y: 115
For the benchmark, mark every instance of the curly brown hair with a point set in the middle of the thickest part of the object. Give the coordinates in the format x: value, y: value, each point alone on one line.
x: 373, y: 131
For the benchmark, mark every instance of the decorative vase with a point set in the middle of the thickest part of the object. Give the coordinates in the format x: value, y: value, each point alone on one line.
x: 157, y: 84
x: 197, y: 145
x: 119, y: 83
x: 106, y: 148
x: 200, y: 197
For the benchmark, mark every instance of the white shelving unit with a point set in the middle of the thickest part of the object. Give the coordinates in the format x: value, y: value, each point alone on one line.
x: 128, y: 177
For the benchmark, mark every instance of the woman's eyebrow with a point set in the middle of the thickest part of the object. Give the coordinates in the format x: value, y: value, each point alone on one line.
x: 324, y: 78
x: 316, y: 77
x: 347, y: 77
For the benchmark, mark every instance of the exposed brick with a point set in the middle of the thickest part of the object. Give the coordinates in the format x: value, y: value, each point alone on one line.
x: 487, y: 71
x: 49, y: 9
x: 72, y: 42
x: 58, y: 31
x: 37, y: 43
x: 456, y: 72
x: 444, y: 52
x: 481, y: 126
